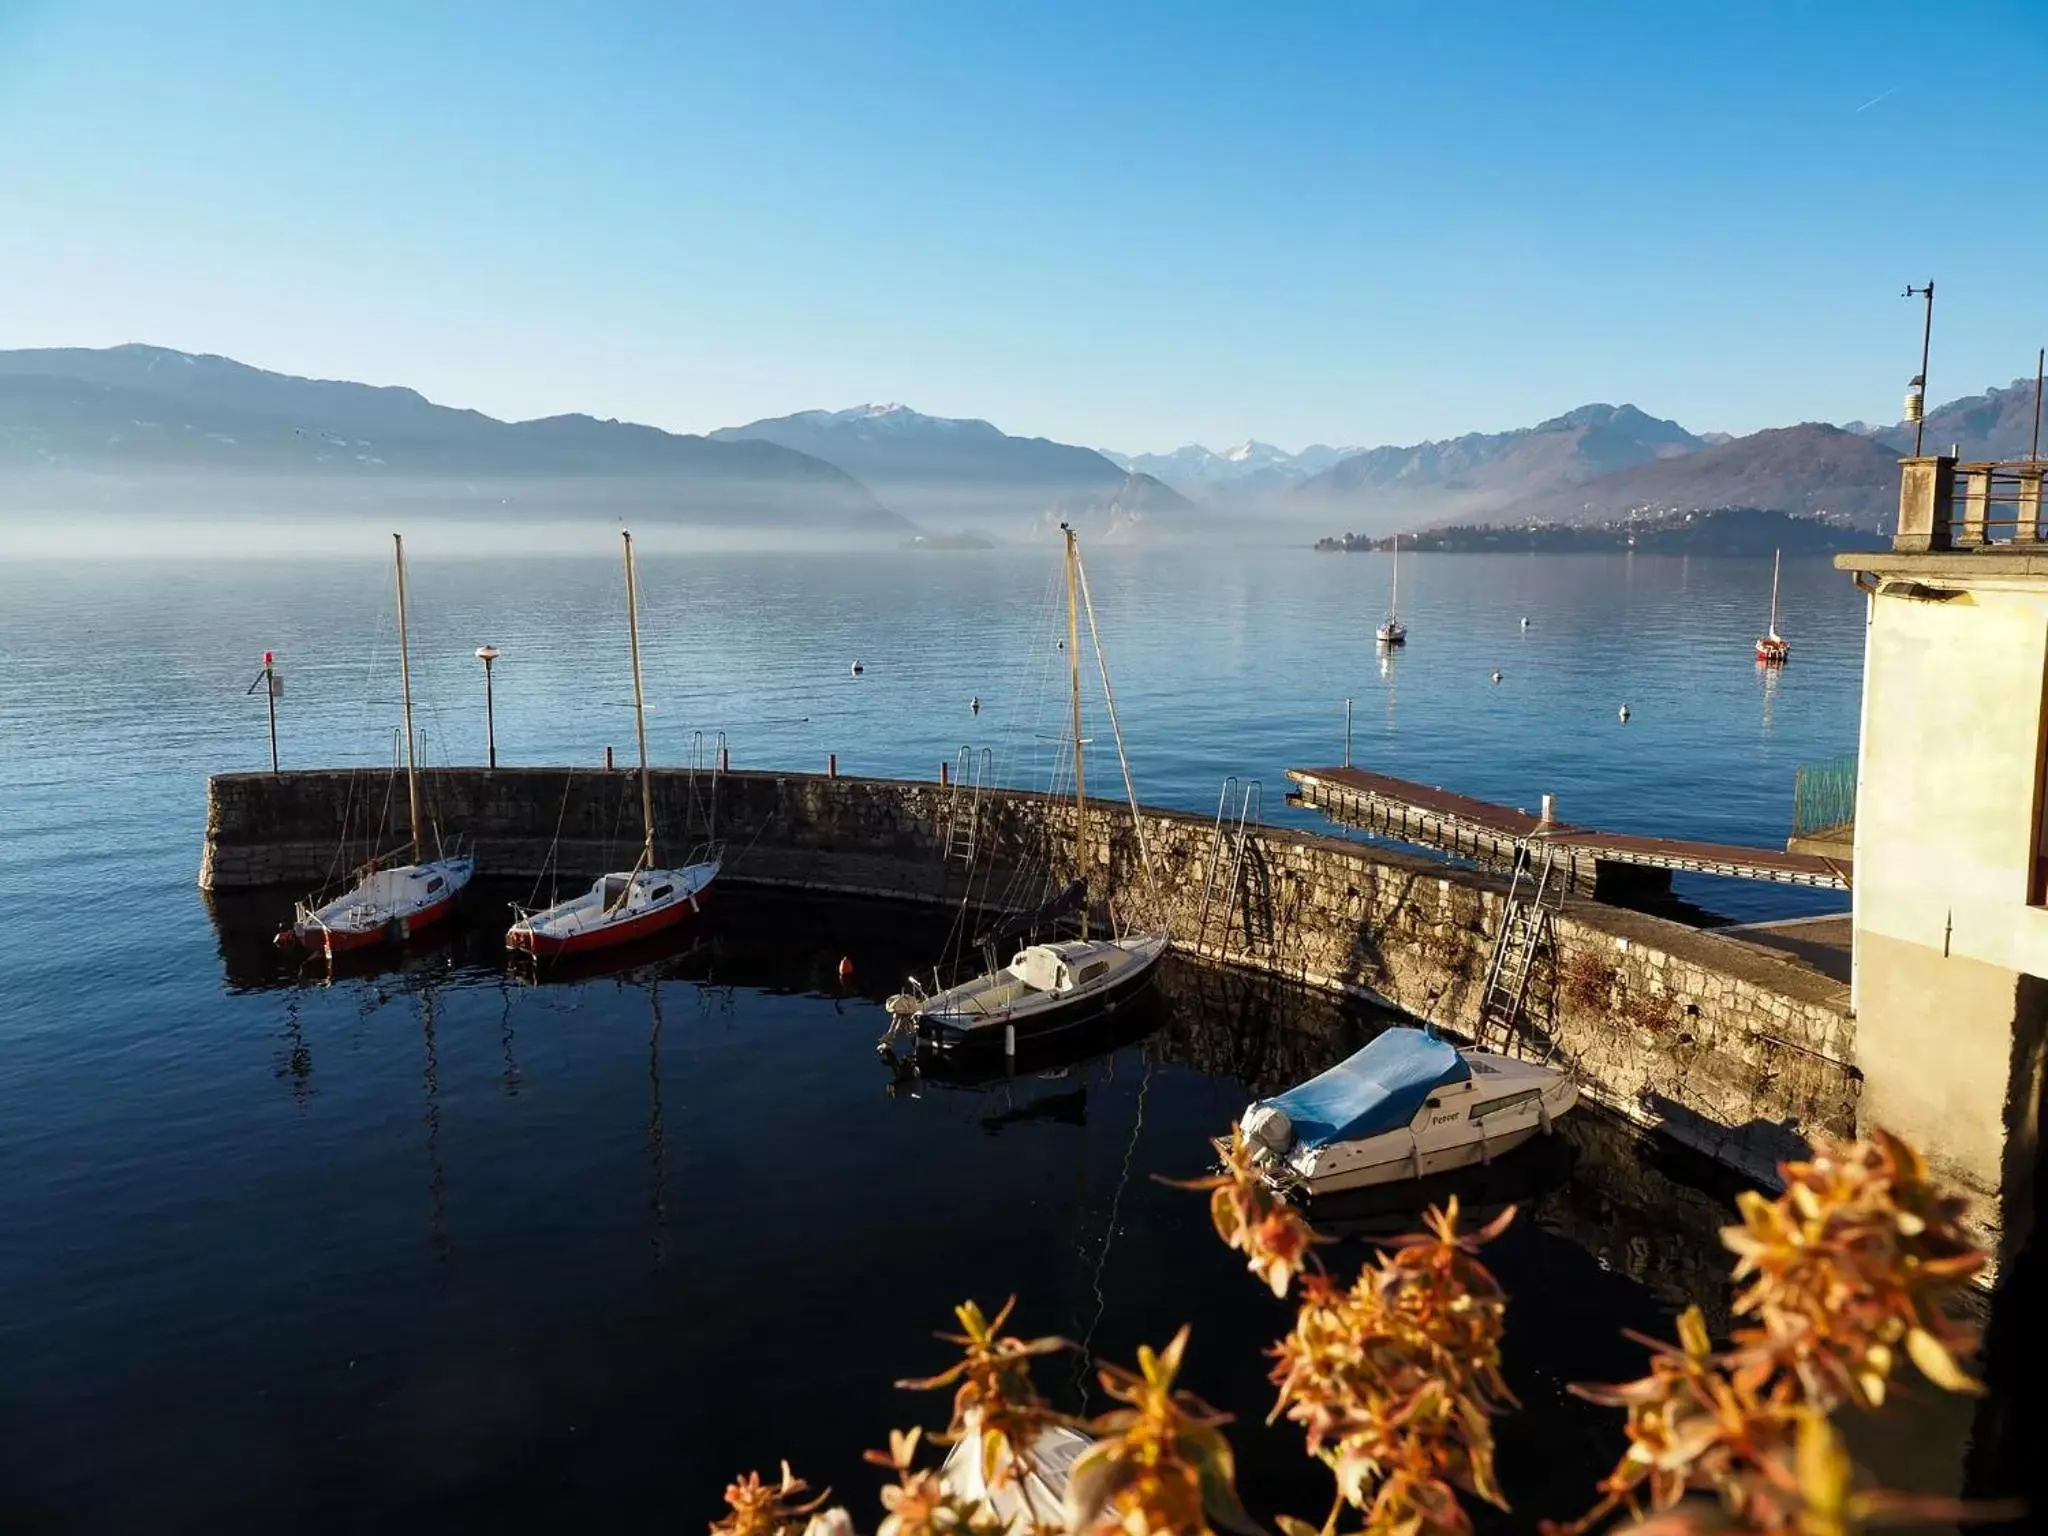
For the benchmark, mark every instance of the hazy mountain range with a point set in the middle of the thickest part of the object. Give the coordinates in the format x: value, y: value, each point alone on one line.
x: 148, y: 430
x: 144, y: 429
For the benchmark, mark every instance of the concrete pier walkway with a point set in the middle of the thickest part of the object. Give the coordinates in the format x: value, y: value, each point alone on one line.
x: 1605, y: 863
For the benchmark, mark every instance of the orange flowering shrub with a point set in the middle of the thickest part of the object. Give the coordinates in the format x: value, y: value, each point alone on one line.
x: 1250, y: 1216
x: 996, y: 1397
x: 756, y: 1508
x: 1395, y: 1379
x: 1853, y: 1265
x: 1853, y: 1262
x: 1160, y: 1464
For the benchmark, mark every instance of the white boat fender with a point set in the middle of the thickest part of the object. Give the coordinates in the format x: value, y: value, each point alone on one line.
x: 1415, y: 1151
x: 1543, y: 1112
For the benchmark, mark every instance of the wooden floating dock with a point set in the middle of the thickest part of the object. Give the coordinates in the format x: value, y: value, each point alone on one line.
x: 1608, y: 864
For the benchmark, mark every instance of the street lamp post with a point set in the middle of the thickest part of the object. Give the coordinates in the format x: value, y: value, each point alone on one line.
x: 488, y: 654
x: 1917, y: 401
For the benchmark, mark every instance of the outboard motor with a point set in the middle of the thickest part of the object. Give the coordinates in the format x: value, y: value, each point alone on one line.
x: 1265, y: 1126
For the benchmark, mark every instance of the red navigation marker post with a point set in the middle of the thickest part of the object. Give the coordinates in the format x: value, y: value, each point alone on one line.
x: 273, y: 689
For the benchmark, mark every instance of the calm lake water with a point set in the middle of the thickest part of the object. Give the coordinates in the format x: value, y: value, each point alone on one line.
x: 433, y: 1248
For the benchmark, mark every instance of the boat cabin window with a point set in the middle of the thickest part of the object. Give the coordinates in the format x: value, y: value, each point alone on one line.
x: 662, y: 893
x: 435, y: 884
x: 613, y: 886
x: 1093, y: 969
x: 1502, y: 1106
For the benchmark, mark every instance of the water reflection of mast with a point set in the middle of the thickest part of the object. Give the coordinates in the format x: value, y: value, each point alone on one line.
x: 437, y: 1229
x: 1083, y: 1360
x: 1387, y: 672
x: 657, y: 1161
x: 1770, y: 681
x: 298, y: 1063
x: 505, y: 1039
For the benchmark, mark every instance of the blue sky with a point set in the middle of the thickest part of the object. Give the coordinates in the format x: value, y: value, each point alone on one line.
x: 1129, y: 225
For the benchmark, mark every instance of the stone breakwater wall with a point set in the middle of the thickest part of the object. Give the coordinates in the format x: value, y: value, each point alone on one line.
x: 1718, y: 1043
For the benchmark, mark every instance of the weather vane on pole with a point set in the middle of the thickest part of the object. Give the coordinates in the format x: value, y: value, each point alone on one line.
x: 1916, y: 395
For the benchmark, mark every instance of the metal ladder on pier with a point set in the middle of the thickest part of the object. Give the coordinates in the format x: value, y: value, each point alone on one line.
x: 1535, y: 894
x: 1223, y: 884
x: 963, y: 805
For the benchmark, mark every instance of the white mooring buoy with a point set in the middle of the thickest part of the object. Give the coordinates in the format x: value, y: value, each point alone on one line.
x: 858, y: 669
x: 1496, y: 674
x: 1624, y: 714
x: 974, y: 704
x: 1525, y: 621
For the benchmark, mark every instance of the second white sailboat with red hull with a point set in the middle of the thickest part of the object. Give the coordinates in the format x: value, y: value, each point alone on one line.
x: 637, y: 903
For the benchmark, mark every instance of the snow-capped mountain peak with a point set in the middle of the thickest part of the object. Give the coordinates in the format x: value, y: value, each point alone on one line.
x: 1250, y: 466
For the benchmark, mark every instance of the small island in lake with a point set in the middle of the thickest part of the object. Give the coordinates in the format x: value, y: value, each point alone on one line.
x: 1712, y: 531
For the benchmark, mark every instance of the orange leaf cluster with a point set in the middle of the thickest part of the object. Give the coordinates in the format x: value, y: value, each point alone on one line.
x: 1850, y: 1266
x: 1854, y: 1261
x: 1161, y: 1466
x: 1396, y: 1379
x: 1251, y: 1216
x: 757, y: 1508
x: 995, y: 1397
x: 917, y: 1504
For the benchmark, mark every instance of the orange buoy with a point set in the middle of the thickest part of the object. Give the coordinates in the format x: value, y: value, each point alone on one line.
x: 846, y: 968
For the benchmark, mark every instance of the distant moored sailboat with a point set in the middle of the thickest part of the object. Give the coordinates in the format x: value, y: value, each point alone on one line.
x: 1771, y: 649
x: 1393, y: 631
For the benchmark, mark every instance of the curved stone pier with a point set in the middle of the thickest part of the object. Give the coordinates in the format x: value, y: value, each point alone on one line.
x: 1723, y: 1045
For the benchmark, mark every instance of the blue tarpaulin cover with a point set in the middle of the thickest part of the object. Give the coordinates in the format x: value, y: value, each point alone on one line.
x: 1377, y: 1090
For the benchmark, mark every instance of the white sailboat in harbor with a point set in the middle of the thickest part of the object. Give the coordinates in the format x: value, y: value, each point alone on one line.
x: 1408, y: 1105
x: 1771, y: 649
x: 390, y: 905
x: 641, y: 901
x: 1045, y: 988
x: 1393, y: 631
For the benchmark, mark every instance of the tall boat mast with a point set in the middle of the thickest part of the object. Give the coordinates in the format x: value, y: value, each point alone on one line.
x: 639, y: 710
x: 1074, y: 678
x: 1776, y: 556
x: 412, y: 778
x: 1394, y: 598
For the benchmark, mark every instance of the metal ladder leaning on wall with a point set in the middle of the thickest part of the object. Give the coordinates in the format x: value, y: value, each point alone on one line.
x: 1224, y: 882
x: 1535, y: 893
x: 963, y: 805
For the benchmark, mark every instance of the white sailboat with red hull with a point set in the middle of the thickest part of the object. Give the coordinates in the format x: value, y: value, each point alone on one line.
x: 389, y: 905
x: 642, y: 901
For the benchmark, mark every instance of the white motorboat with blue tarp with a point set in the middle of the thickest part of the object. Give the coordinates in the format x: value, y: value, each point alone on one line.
x: 1407, y: 1105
